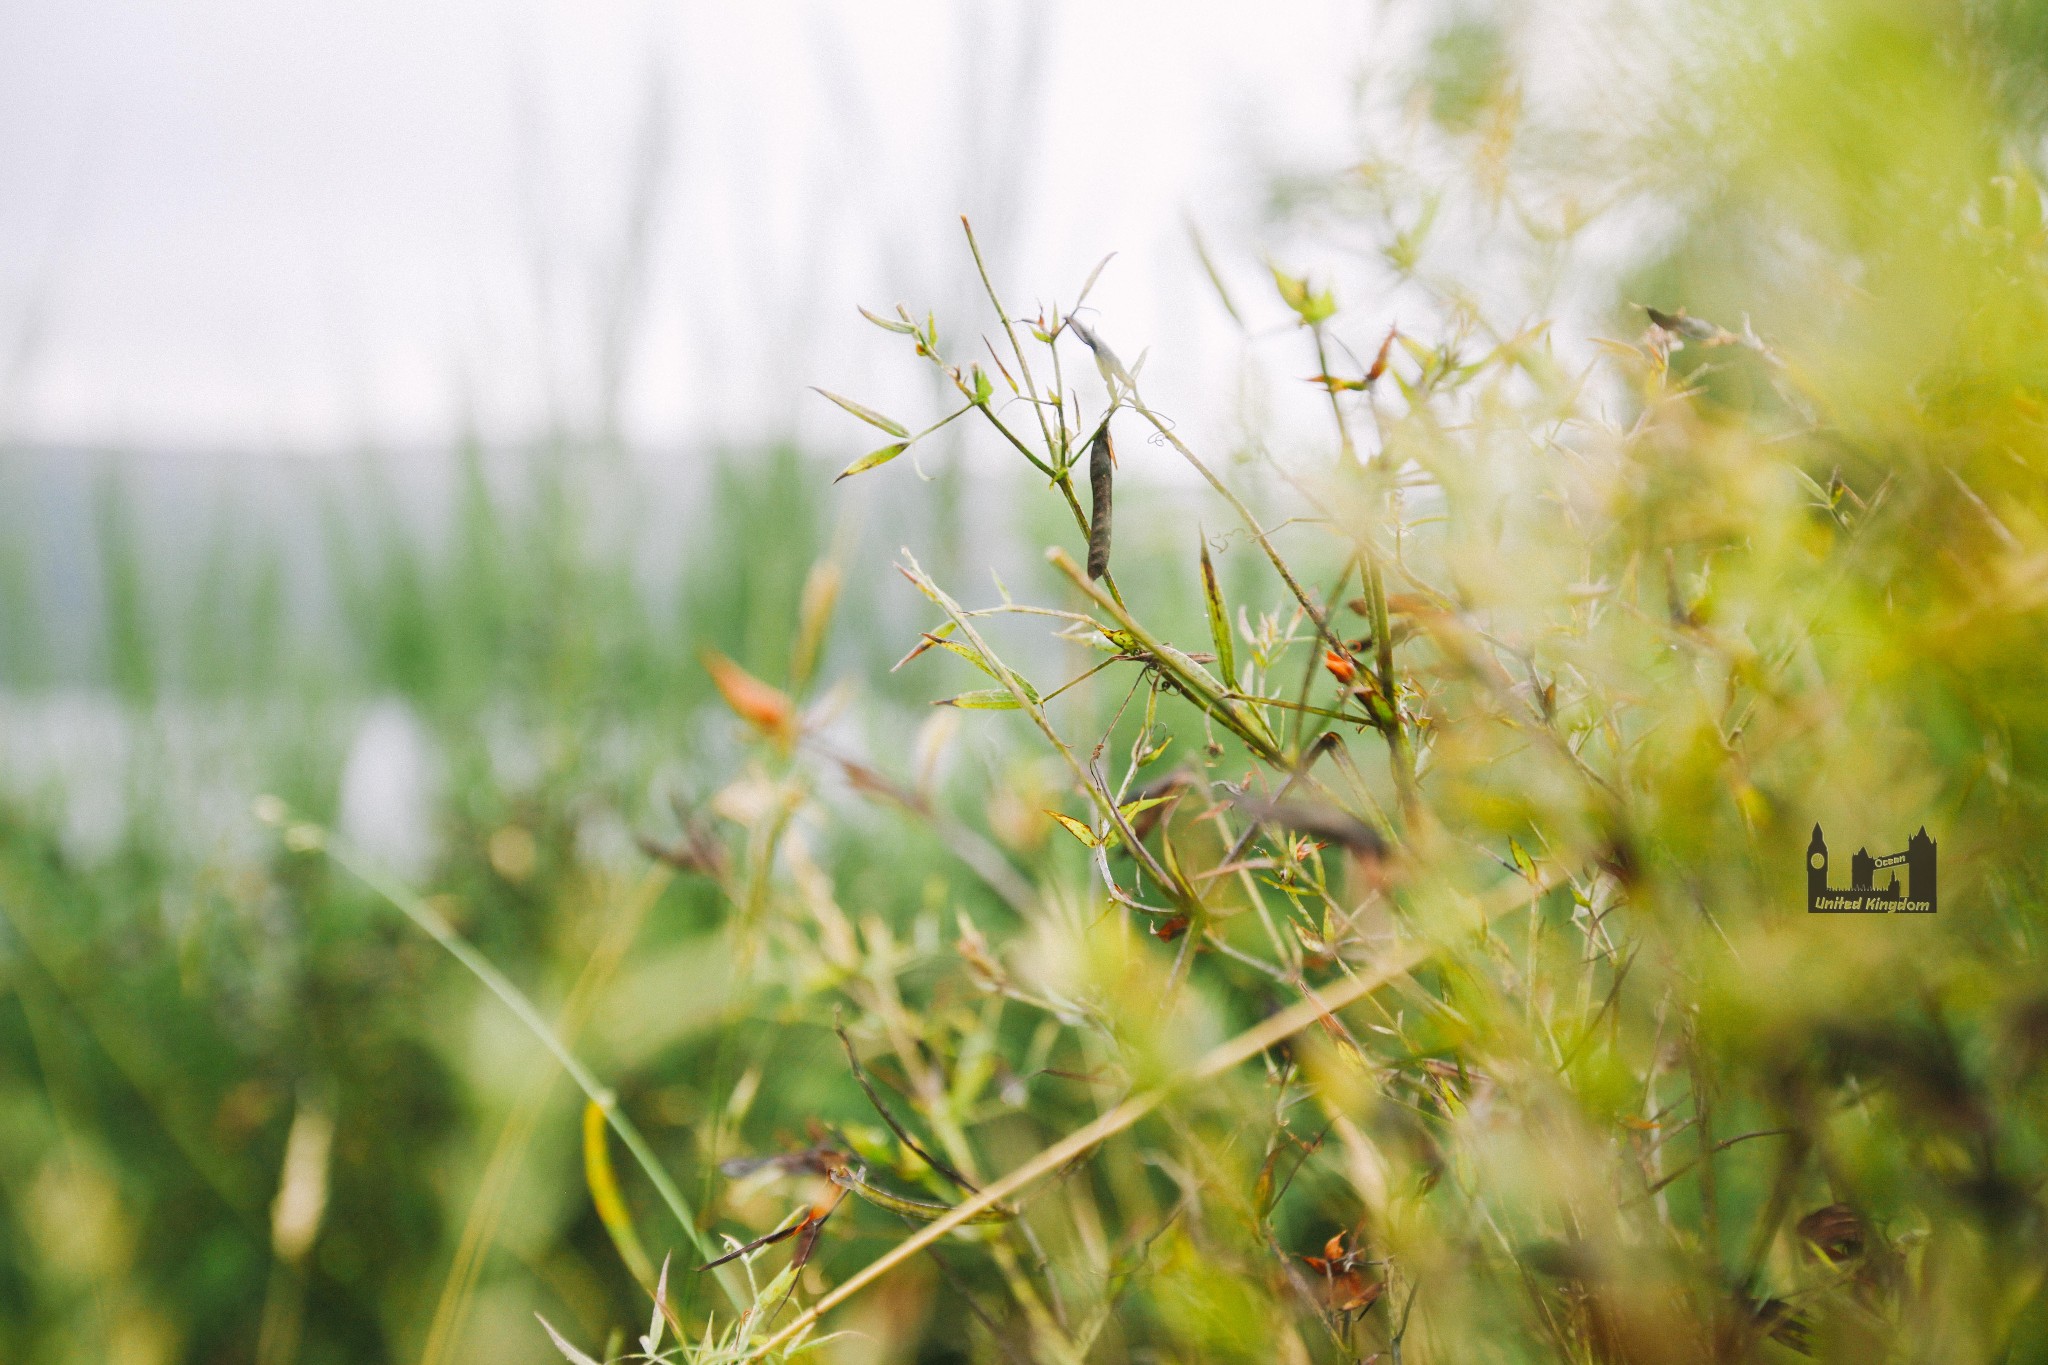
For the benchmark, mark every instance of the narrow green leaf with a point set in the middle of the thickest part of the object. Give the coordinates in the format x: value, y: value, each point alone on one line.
x: 865, y: 413
x: 569, y: 1353
x: 1130, y: 808
x: 954, y: 647
x: 1093, y: 276
x: 1422, y: 355
x: 1311, y: 307
x: 1524, y: 864
x: 777, y: 1287
x: 986, y: 699
x: 1215, y: 277
x: 1219, y: 620
x: 872, y: 459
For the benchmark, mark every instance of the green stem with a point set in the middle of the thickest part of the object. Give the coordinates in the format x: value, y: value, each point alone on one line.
x: 1400, y: 756
x: 1349, y: 450
x: 1178, y: 668
x: 1237, y: 504
x: 1091, y: 783
x: 429, y: 920
x: 1016, y: 347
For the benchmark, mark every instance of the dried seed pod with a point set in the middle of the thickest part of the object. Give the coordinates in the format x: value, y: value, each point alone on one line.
x: 1101, y: 462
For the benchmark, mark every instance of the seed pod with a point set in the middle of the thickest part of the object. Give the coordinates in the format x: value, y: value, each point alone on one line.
x: 1101, y: 460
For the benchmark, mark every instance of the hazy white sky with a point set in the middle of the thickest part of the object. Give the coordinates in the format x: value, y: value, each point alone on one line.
x: 259, y: 224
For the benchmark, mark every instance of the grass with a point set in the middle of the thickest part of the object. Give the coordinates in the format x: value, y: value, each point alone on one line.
x: 1365, y: 921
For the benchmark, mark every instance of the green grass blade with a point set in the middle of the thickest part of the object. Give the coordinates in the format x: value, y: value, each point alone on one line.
x: 1219, y: 620
x: 430, y: 921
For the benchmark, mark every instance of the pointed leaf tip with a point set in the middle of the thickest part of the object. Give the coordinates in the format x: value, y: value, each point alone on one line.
x: 1219, y: 619
x: 569, y: 1353
x: 762, y: 705
x: 865, y: 413
x: 984, y: 699
x: 873, y: 459
x: 1076, y: 828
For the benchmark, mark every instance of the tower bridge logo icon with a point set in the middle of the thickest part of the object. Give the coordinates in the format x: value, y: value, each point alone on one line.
x: 1863, y: 896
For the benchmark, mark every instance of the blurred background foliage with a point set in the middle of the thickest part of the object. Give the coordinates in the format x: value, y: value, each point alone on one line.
x: 1796, y: 576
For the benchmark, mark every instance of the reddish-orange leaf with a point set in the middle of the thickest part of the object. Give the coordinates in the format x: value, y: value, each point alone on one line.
x: 766, y: 708
x: 1379, y: 362
x: 1351, y: 1292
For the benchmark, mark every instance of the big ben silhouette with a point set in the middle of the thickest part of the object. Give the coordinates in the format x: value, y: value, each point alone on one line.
x: 1816, y: 869
x: 1862, y: 894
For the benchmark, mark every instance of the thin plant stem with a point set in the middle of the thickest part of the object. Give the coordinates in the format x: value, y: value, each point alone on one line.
x: 430, y: 921
x: 1090, y: 782
x: 1178, y: 668
x: 1220, y: 1059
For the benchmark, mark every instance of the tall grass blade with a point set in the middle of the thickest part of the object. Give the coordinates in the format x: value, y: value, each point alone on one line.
x: 1219, y: 620
x: 435, y: 927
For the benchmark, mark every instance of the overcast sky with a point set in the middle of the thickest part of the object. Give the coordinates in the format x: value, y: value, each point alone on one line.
x: 255, y: 224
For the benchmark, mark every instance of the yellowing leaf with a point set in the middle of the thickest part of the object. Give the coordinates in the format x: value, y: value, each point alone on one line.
x: 1311, y: 307
x: 605, y: 1194
x: 1075, y: 828
x: 872, y: 459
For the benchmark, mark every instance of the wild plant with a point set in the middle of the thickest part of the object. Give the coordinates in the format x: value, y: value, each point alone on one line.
x: 1426, y: 977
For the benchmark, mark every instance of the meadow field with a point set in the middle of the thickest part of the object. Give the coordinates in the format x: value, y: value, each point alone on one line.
x: 1044, y: 878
